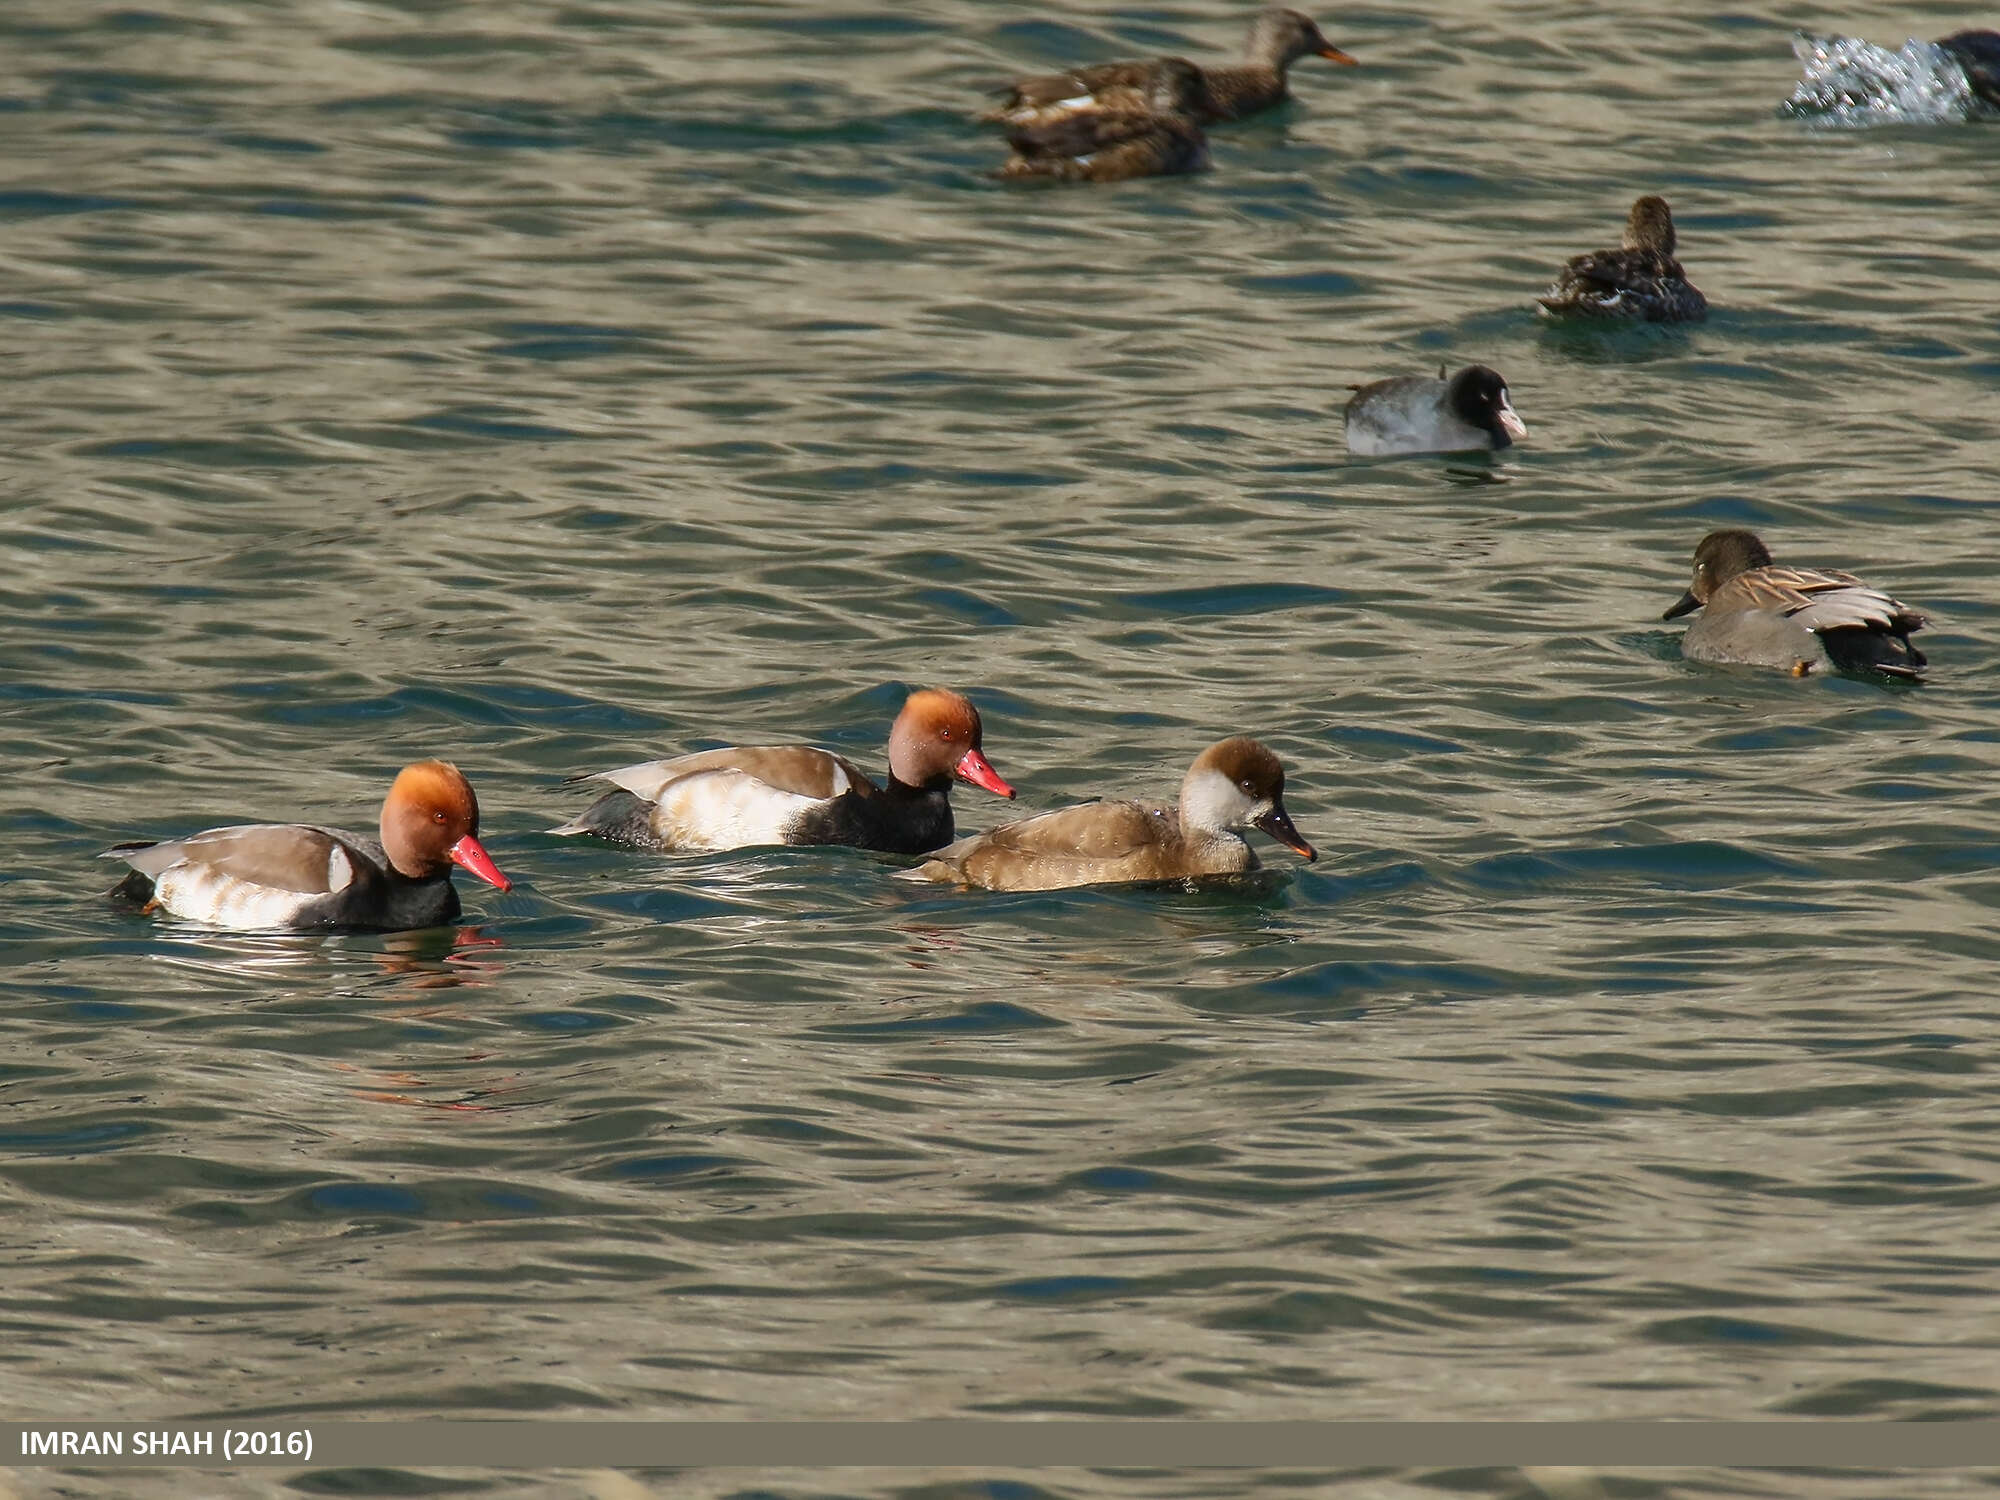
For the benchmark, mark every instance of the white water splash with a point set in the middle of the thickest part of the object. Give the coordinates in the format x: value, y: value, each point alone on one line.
x: 1850, y: 82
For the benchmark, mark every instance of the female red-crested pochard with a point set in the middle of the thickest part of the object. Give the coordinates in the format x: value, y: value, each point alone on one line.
x: 299, y: 875
x: 1235, y: 784
x: 741, y: 796
x: 1278, y: 38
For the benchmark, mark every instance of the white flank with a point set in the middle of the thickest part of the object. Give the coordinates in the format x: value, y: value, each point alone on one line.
x: 201, y: 894
x: 726, y: 810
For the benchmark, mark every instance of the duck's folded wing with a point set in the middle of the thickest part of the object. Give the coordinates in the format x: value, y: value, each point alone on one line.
x: 797, y: 769
x: 1090, y: 830
x: 1820, y: 599
x: 1855, y: 606
x: 1051, y: 95
x: 278, y: 856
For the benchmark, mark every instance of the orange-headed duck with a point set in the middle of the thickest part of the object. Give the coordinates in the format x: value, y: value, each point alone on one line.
x: 1757, y: 613
x: 297, y: 875
x: 792, y: 794
x: 1235, y: 784
x: 1278, y: 38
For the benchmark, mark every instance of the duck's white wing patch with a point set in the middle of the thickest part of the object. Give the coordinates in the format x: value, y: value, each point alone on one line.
x: 727, y: 809
x: 339, y: 870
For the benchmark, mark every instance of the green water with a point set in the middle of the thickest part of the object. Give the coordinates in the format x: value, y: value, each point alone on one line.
x: 554, y: 388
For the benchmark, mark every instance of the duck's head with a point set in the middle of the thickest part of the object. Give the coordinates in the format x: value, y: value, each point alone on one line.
x: 1719, y: 557
x: 430, y: 822
x: 1650, y: 226
x: 935, y: 738
x: 1239, y: 784
x: 1280, y: 37
x: 1477, y: 395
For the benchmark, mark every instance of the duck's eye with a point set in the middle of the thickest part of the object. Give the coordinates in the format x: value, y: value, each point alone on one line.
x: 1245, y: 784
x: 944, y: 734
x: 437, y: 817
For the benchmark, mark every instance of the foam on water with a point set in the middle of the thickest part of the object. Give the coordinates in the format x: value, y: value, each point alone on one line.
x: 1850, y: 82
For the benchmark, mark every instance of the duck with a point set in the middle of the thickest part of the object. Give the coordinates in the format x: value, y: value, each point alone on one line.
x: 1416, y: 414
x: 1803, y: 620
x: 1235, y: 783
x: 1978, y: 52
x: 1639, y: 280
x: 302, y: 876
x: 743, y: 796
x: 1278, y: 38
x: 1157, y: 136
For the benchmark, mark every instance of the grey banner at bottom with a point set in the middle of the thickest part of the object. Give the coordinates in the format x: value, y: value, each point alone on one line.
x: 1149, y: 1444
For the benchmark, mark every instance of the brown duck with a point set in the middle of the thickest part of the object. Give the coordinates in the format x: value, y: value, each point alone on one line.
x: 1235, y: 784
x: 1156, y: 137
x: 1278, y: 38
x: 1757, y: 613
x: 1640, y: 279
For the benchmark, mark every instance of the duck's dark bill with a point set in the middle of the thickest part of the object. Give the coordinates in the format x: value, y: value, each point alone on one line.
x: 1687, y: 604
x: 1279, y: 826
x: 1334, y: 54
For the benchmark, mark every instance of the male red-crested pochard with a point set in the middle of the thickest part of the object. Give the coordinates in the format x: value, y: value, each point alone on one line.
x: 1235, y: 784
x: 299, y: 875
x: 741, y: 796
x: 1278, y: 38
x: 1759, y: 613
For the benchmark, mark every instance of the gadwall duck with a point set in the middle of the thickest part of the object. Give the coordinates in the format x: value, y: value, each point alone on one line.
x: 300, y: 875
x: 1235, y: 784
x: 1278, y: 38
x: 742, y: 796
x: 1640, y: 279
x: 1802, y: 620
x: 1160, y: 137
x: 1416, y: 414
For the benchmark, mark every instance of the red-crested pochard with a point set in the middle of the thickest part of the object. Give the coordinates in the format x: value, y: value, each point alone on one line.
x: 299, y: 875
x: 741, y: 796
x: 1235, y: 784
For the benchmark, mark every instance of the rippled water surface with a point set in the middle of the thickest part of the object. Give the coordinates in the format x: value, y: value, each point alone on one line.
x: 549, y: 387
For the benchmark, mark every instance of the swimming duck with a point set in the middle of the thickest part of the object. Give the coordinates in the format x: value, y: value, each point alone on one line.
x: 1757, y: 613
x: 1158, y: 137
x: 742, y: 796
x: 1278, y: 38
x: 1978, y: 52
x: 1640, y: 279
x: 1416, y: 414
x: 297, y: 875
x: 1235, y: 784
